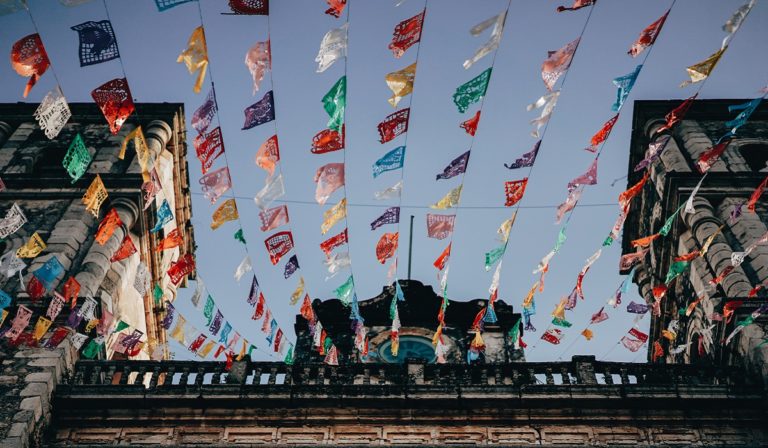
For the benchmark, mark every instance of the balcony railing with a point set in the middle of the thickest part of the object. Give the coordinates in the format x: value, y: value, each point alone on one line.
x: 582, y: 370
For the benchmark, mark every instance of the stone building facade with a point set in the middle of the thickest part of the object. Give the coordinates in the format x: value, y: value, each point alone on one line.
x: 418, y: 317
x: 36, y: 181
x: 720, y: 211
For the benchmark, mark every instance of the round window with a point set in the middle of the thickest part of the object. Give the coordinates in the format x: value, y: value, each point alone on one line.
x: 410, y: 347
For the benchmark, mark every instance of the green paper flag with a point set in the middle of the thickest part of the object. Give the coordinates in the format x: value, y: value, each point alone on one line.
x: 157, y: 293
x: 334, y: 102
x: 472, y: 91
x: 120, y: 326
x: 208, y: 310
x: 289, y: 356
x: 239, y: 236
x: 393, y: 307
x: 92, y: 349
x: 668, y: 225
x: 77, y: 159
x: 493, y: 256
x: 676, y: 269
x: 561, y: 322
x: 749, y: 320
x: 250, y: 349
x: 561, y: 237
x: 344, y: 292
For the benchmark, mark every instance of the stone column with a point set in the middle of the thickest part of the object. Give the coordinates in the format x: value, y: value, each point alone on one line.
x: 747, y: 229
x: 5, y: 131
x: 704, y: 223
x: 96, y: 263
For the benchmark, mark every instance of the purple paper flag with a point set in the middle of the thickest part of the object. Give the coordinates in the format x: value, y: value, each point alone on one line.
x: 291, y: 266
x: 253, y: 296
x: 390, y: 216
x: 263, y: 111
x: 637, y: 308
x: 526, y: 159
x: 456, y: 167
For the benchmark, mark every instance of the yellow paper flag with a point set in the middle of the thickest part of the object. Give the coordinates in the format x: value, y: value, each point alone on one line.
x: 178, y: 330
x: 400, y: 83
x: 708, y: 242
x: 142, y: 150
x: 32, y: 248
x: 333, y: 215
x: 227, y: 211
x: 506, y: 227
x: 203, y: 352
x: 95, y: 195
x: 699, y: 72
x: 298, y: 292
x: 587, y: 333
x: 196, y: 56
x: 449, y: 200
x: 41, y: 327
x: 529, y: 298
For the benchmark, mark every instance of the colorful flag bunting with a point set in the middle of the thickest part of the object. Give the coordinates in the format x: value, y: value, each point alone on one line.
x: 648, y: 36
x: 334, y: 103
x: 514, y: 191
x: 278, y: 245
x: 387, y: 246
x: 226, y: 212
x: 676, y: 269
x: 689, y: 208
x: 53, y: 113
x: 456, y: 167
x: 393, y: 160
x: 527, y: 159
x: 472, y: 91
x: 332, y: 48
x: 273, y: 218
x: 393, y: 125
x: 577, y: 4
x: 406, y: 34
x: 677, y: 114
x: 258, y: 59
x: 333, y: 215
x: 747, y: 109
x: 333, y: 242
x: 588, y: 178
x: 390, y: 216
x: 126, y: 249
x: 260, y: 112
x: 336, y: 263
x: 107, y: 227
x: 49, y: 271
x: 77, y: 158
x: 734, y: 23
x: 645, y: 241
x: 345, y: 291
x: 195, y: 56
x: 215, y: 184
x: 493, y: 43
x: 115, y: 101
x: 29, y: 59
x: 249, y: 7
x: 547, y: 104
x: 32, y: 248
x: 203, y: 116
x: 181, y: 268
x: 273, y: 190
x: 470, y: 126
x: 557, y: 63
x: 164, y: 216
x: 329, y: 178
x: 208, y: 147
x: 336, y: 7
x: 700, y: 71
x: 601, y: 135
x: 291, y: 266
x: 400, y: 83
x: 242, y: 268
x: 670, y: 221
x: 451, y: 199
x: 553, y: 336
x: 327, y: 141
x: 389, y: 193
x: 637, y: 308
x: 97, y: 42
x: 626, y: 197
x: 505, y: 228
x: 624, y: 85
x: 268, y: 155
x: 599, y: 316
x: 493, y: 256
x: 440, y: 226
x: 756, y: 195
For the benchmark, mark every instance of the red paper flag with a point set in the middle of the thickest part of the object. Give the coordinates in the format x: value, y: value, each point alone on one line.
x: 29, y: 59
x: 443, y: 258
x: 173, y: 239
x: 394, y: 125
x: 268, y: 155
x: 115, y: 101
x: 336, y: 7
x: 470, y: 126
x: 327, y: 140
x: 278, y: 245
x: 278, y: 338
x: 333, y: 242
x: 306, y: 309
x: 125, y: 250
x: 602, y: 134
x: 71, y: 290
x: 553, y: 336
x: 329, y: 178
x: 638, y: 334
x: 659, y: 291
x: 514, y: 191
x: 756, y: 195
x: 183, y: 266
x: 258, y: 313
x: 407, y: 33
x: 648, y: 36
x: 658, y: 351
x: 709, y: 157
x: 642, y: 242
x: 209, y: 147
x: 439, y: 226
x: 251, y: 8
x: 577, y: 4
x: 626, y: 196
x: 273, y: 218
x: 689, y: 256
x: 107, y: 226
x: 386, y: 247
x: 35, y: 288
x: 676, y: 114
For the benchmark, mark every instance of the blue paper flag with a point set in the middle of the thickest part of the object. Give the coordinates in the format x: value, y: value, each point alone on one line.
x: 393, y: 160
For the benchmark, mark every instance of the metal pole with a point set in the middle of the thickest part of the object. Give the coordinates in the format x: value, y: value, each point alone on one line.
x: 410, y: 249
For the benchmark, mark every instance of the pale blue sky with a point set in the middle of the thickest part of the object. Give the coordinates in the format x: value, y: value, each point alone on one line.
x: 150, y: 42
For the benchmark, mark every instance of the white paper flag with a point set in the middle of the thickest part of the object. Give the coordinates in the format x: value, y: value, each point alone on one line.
x: 332, y: 48
x: 272, y: 190
x: 493, y: 42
